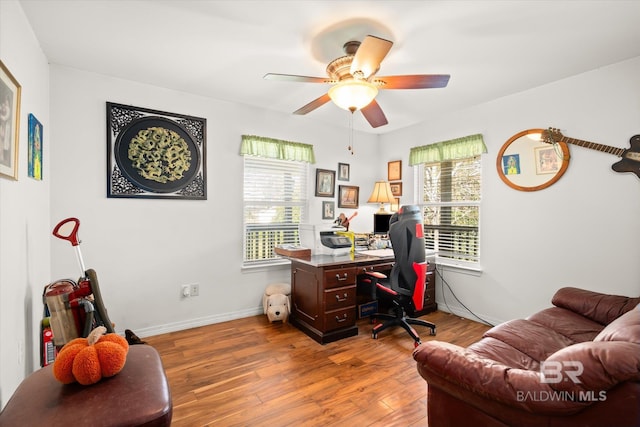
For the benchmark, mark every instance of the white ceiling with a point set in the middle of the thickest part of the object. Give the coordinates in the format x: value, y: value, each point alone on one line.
x: 222, y: 49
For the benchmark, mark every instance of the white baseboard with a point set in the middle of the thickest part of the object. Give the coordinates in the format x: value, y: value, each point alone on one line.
x: 194, y: 323
x: 224, y: 317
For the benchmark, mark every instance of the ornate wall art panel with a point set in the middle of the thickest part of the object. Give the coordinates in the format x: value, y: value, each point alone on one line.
x: 154, y: 154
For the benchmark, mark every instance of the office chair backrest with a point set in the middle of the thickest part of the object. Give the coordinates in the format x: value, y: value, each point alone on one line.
x: 407, y: 238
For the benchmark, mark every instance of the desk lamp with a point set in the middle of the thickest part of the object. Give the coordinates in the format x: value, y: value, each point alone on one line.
x: 381, y: 194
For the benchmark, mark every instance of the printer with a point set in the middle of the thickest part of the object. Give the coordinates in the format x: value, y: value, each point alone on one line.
x: 325, y: 239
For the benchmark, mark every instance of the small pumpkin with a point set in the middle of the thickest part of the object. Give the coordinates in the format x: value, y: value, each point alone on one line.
x: 88, y: 360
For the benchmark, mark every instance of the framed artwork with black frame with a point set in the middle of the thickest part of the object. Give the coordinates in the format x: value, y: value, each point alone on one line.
x: 155, y: 154
x: 348, y: 196
x: 10, y: 91
x: 325, y: 183
x: 343, y: 171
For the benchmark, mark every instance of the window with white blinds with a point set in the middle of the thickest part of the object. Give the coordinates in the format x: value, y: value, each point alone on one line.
x: 450, y: 193
x: 275, y: 202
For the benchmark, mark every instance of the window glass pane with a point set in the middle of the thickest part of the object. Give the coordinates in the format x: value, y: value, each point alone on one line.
x: 451, y: 192
x: 275, y: 193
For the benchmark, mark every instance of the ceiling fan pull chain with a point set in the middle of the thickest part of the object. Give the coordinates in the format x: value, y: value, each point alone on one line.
x: 351, y: 133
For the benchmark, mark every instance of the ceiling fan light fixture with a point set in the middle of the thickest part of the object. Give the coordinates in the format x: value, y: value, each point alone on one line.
x: 353, y: 95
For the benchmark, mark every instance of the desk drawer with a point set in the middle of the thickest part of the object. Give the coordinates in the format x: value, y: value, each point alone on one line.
x: 340, y: 318
x: 340, y: 277
x: 386, y: 267
x: 337, y: 298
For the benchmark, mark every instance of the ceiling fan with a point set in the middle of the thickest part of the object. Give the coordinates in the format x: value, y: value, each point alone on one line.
x: 354, y: 83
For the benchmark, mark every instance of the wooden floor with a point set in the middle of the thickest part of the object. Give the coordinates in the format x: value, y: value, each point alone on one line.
x: 249, y: 372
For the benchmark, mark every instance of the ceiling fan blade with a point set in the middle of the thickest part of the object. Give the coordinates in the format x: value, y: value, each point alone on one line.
x: 374, y: 114
x: 294, y: 78
x: 318, y: 102
x: 415, y: 81
x: 369, y: 55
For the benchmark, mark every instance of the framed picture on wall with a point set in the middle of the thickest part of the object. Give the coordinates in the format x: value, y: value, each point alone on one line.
x: 10, y: 91
x: 343, y: 171
x: 348, y: 197
x: 325, y: 183
x: 394, y: 170
x: 395, y: 205
x: 396, y: 188
x: 155, y: 154
x: 328, y: 210
x: 35, y: 148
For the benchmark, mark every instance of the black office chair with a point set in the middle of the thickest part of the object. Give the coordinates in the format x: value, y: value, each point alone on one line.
x: 405, y: 288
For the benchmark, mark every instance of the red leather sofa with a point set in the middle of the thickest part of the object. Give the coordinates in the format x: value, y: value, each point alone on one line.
x: 574, y: 364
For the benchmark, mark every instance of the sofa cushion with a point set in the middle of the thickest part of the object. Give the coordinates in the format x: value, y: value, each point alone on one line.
x: 568, y: 323
x: 624, y: 328
x: 597, y: 366
x: 601, y: 308
x: 532, y: 339
x: 491, y: 348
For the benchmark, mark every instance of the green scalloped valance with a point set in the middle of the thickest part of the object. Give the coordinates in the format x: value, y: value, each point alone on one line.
x: 453, y: 149
x: 276, y: 149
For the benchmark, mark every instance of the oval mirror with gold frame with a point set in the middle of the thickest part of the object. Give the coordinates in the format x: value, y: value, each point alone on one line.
x: 526, y: 163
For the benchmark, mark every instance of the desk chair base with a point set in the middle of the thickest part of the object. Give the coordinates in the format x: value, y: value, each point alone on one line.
x: 400, y: 319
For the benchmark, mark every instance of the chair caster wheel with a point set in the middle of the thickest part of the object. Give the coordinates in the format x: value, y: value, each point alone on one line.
x: 433, y: 331
x: 374, y: 336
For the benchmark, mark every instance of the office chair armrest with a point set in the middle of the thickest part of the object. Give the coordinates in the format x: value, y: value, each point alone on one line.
x: 376, y: 274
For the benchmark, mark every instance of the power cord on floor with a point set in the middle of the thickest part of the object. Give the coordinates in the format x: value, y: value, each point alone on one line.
x: 444, y: 297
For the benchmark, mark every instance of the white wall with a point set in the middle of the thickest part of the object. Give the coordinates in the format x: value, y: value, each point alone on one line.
x: 143, y: 249
x: 24, y: 210
x: 582, y: 230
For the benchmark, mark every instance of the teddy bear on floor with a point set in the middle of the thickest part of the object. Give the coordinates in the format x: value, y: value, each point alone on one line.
x: 276, y: 302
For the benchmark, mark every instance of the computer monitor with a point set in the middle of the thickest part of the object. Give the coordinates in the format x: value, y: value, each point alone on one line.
x: 381, y: 223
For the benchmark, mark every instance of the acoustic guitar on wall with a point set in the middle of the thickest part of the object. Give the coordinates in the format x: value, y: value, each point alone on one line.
x: 630, y: 157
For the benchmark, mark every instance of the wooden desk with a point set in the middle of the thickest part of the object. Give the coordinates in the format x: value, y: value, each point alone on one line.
x: 323, y: 293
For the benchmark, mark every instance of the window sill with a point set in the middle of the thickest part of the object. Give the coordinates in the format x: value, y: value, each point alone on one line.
x: 459, y: 266
x: 255, y: 268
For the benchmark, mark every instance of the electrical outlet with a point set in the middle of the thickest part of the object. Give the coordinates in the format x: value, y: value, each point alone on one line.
x: 195, y: 290
x: 185, y: 291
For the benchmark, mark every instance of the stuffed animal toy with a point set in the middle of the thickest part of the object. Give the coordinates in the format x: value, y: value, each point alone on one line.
x: 88, y: 360
x: 276, y: 302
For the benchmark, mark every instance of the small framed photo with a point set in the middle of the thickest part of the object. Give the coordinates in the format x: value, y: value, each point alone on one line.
x: 547, y: 161
x: 396, y: 188
x: 395, y: 205
x: 325, y: 183
x: 394, y: 170
x: 349, y: 196
x: 328, y: 210
x: 35, y: 148
x: 343, y: 172
x: 10, y: 91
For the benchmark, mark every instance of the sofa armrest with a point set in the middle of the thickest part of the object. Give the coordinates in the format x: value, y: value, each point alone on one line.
x: 460, y: 373
x: 599, y: 307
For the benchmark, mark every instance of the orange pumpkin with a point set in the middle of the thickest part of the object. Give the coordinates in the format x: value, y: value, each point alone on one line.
x: 88, y: 360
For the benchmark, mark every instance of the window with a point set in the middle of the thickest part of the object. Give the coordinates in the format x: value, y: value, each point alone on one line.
x: 448, y: 184
x: 275, y: 200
